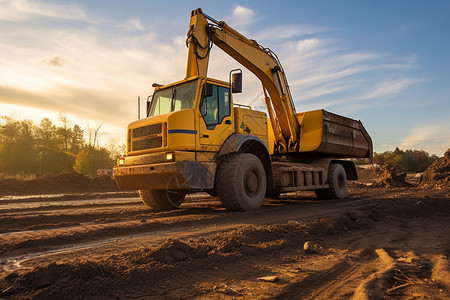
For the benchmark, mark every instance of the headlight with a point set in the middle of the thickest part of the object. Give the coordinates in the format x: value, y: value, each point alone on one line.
x: 120, y: 161
x: 170, y: 156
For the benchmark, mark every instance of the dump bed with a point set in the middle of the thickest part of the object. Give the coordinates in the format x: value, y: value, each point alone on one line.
x: 327, y: 134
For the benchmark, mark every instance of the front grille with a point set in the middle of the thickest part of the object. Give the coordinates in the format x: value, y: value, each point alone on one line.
x: 150, y: 143
x: 147, y: 130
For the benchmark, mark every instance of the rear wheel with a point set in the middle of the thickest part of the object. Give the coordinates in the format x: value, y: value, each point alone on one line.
x: 162, y: 200
x: 337, y: 181
x: 242, y: 182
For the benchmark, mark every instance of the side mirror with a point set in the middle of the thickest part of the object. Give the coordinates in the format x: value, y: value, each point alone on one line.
x: 236, y: 82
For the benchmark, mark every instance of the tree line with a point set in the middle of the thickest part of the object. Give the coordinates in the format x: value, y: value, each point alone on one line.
x: 403, y: 160
x: 45, y: 148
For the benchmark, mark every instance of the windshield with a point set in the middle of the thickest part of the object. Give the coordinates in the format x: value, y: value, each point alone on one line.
x: 174, y: 98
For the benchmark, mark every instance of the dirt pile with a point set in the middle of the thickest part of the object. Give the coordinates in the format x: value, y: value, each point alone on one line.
x: 56, y: 184
x: 170, y: 252
x: 387, y: 177
x: 366, y: 173
x: 438, y: 173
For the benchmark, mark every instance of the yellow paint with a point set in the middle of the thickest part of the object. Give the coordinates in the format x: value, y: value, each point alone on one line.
x: 311, y: 124
x: 184, y: 156
x: 212, y: 139
x: 251, y: 122
x: 251, y: 55
x: 181, y: 120
x: 205, y: 156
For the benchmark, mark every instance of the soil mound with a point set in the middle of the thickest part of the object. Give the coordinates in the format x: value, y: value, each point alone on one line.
x: 57, y: 184
x: 387, y: 177
x: 438, y: 173
x: 170, y: 252
x: 366, y: 173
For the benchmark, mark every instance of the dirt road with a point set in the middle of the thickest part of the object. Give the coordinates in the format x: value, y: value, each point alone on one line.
x: 378, y: 243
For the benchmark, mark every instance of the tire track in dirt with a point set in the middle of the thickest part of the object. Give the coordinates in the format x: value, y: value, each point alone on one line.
x: 41, y: 207
x: 328, y: 283
x: 217, y: 254
x: 90, y: 230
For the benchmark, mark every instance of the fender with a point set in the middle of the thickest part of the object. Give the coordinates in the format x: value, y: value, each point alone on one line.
x: 235, y: 141
x: 245, y: 143
x: 349, y: 166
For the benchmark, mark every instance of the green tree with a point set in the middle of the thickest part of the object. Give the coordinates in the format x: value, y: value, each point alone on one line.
x: 405, y: 161
x: 26, y: 148
x: 89, y: 160
x: 63, y: 136
x: 46, y: 133
x: 76, y: 139
x: 17, y: 147
x: 52, y: 159
x: 83, y: 162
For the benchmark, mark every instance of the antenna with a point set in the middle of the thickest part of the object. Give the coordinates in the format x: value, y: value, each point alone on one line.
x: 139, y: 108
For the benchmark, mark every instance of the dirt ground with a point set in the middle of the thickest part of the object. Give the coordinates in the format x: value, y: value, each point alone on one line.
x: 379, y: 243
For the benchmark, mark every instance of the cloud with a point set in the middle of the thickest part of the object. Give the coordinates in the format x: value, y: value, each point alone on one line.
x: 418, y: 134
x: 86, y: 71
x: 432, y: 137
x: 288, y: 32
x: 392, y: 87
x: 324, y: 73
x: 307, y: 45
x: 19, y: 10
x: 133, y: 24
x: 54, y: 61
x: 241, y: 17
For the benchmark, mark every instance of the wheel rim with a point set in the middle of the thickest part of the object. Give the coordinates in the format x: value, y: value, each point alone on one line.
x: 341, y: 182
x: 251, y: 183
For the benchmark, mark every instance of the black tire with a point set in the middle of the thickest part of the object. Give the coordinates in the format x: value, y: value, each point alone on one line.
x: 241, y: 182
x: 162, y: 200
x: 337, y: 181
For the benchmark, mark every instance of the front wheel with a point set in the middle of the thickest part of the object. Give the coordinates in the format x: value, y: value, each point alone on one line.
x: 242, y: 182
x: 162, y: 200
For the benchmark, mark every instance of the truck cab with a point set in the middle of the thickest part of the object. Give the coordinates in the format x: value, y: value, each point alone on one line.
x: 189, y: 124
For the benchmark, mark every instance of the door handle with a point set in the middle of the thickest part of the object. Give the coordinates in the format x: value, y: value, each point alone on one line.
x: 228, y: 122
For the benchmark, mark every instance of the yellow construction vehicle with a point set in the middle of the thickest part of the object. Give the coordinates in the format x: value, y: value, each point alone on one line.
x: 195, y: 138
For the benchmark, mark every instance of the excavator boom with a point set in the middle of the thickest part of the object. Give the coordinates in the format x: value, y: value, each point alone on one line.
x: 259, y: 60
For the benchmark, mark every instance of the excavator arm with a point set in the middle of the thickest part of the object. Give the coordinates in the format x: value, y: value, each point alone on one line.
x: 204, y: 31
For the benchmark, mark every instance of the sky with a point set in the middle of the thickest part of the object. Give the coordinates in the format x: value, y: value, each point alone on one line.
x: 383, y: 62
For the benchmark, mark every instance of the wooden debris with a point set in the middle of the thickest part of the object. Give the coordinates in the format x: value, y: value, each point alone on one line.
x: 268, y: 278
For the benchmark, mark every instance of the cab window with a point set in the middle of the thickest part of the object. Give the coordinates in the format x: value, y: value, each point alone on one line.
x: 216, y: 106
x: 173, y: 98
